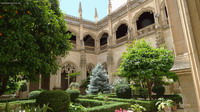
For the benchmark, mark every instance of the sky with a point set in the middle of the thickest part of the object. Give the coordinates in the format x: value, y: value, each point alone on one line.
x: 88, y: 6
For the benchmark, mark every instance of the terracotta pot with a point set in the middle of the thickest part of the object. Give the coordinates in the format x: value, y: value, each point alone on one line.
x: 167, y: 109
x: 174, y: 108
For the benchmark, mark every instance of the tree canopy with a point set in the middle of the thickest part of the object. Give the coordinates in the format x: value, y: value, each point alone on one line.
x: 32, y: 36
x: 146, y: 63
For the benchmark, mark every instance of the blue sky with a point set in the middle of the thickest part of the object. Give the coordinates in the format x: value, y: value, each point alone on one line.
x: 88, y: 6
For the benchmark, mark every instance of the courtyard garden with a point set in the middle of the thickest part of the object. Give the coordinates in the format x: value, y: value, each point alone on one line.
x: 33, y: 36
x: 144, y: 70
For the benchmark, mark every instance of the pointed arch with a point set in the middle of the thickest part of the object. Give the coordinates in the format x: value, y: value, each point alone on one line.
x: 139, y: 13
x: 67, y: 68
x: 120, y: 23
x: 89, y: 69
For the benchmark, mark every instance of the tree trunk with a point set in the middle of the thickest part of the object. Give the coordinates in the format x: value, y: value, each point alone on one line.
x: 149, y: 86
x: 4, y: 81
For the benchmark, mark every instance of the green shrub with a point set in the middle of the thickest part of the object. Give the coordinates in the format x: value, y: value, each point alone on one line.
x: 159, y: 90
x: 149, y: 105
x: 109, y: 107
x: 123, y: 91
x: 87, y: 96
x: 142, y: 92
x: 74, y: 94
x: 34, y: 94
x: 74, y: 107
x: 90, y: 102
x: 58, y: 100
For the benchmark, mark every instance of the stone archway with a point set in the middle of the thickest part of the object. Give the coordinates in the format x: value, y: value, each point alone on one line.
x: 89, y: 69
x: 65, y: 79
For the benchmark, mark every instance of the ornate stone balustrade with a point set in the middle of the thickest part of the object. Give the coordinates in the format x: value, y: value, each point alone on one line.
x: 122, y: 39
x: 103, y: 47
x: 146, y: 30
x: 89, y: 48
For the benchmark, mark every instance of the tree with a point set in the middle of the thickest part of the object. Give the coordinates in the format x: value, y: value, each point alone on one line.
x: 98, y: 81
x: 32, y: 36
x: 146, y: 64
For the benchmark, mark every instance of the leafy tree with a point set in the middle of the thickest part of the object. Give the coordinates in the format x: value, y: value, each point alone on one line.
x: 98, y: 81
x: 32, y: 36
x: 146, y: 64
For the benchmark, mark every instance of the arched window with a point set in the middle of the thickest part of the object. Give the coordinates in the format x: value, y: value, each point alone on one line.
x: 121, y: 31
x: 89, y: 69
x: 103, y: 41
x: 73, y: 37
x: 145, y: 19
x: 105, y: 66
x: 89, y: 43
x: 65, y: 79
x: 166, y: 13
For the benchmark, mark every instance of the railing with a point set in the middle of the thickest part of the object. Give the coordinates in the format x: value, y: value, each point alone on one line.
x: 103, y: 47
x: 146, y: 30
x: 89, y: 48
x: 122, y: 39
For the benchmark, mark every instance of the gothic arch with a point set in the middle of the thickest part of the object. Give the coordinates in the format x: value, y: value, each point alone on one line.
x: 141, y: 11
x: 120, y: 23
x: 105, y: 66
x: 162, y: 5
x: 101, y: 33
x: 67, y: 68
x: 89, y: 68
x: 89, y: 33
x: 73, y: 31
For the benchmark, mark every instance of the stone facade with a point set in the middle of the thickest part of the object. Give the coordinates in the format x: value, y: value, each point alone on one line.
x: 157, y: 21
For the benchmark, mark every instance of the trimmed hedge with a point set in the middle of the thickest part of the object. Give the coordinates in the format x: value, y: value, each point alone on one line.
x: 16, y: 104
x: 109, y: 107
x: 58, y: 100
x: 149, y: 105
x: 34, y: 94
x: 90, y: 102
x: 88, y: 96
x: 74, y: 94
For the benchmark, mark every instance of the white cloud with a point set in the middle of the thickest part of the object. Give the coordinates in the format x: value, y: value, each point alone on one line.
x: 117, y: 3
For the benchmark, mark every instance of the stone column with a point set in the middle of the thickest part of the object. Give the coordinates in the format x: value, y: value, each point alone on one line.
x: 176, y: 28
x: 110, y: 64
x: 83, y: 63
x: 159, y: 32
x: 189, y: 13
x: 55, y: 80
x: 97, y: 45
x: 135, y: 30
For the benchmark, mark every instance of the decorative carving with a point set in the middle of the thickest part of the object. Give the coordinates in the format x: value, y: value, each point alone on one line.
x: 159, y: 39
x: 89, y: 68
x: 68, y: 68
x: 83, y: 60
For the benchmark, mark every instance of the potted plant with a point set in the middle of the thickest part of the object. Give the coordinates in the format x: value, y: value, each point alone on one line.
x: 164, y: 105
x: 174, y: 106
x: 137, y: 108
